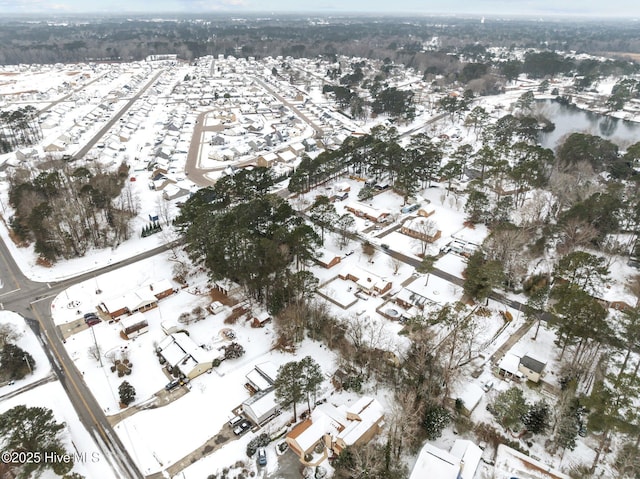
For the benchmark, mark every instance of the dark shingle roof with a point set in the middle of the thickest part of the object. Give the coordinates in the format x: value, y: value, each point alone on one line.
x: 532, y: 364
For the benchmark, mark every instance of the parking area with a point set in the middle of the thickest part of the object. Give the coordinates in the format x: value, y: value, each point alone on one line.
x: 289, y: 467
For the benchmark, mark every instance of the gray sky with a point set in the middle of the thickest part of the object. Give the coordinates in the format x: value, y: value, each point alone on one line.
x: 592, y: 8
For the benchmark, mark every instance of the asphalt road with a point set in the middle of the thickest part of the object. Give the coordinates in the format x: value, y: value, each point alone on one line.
x: 33, y: 301
x: 105, y: 129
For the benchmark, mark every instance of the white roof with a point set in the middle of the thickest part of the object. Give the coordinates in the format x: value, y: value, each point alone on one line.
x: 161, y: 286
x: 325, y: 419
x: 421, y: 225
x: 510, y: 363
x: 469, y: 454
x: 180, y: 350
x: 270, y: 157
x: 268, y: 369
x: 470, y: 394
x: 435, y: 462
x: 370, y: 411
x: 367, y: 210
x: 132, y: 320
x: 261, y: 404
x: 258, y: 380
x: 287, y: 155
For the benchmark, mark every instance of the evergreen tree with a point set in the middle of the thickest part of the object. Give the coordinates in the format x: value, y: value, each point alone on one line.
x: 481, y: 276
x: 509, y: 407
x: 127, y: 393
x: 25, y: 428
x: 233, y: 351
x: 537, y: 418
x: 311, y: 377
x: 16, y: 363
x: 436, y: 418
x: 288, y: 385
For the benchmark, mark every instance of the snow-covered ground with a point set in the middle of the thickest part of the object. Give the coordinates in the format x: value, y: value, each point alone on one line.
x: 159, y: 437
x: 89, y: 460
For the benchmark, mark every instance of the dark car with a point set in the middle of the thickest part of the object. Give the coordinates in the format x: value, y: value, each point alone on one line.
x: 90, y: 316
x: 172, y: 385
x: 241, y: 428
x: 92, y: 321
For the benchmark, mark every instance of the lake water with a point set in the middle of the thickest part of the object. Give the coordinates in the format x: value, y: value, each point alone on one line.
x: 570, y: 119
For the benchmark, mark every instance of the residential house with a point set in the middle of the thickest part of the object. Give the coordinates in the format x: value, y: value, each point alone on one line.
x: 267, y: 160
x: 509, y: 367
x: 287, y: 156
x: 460, y: 463
x: 140, y: 300
x: 419, y: 228
x: 330, y: 429
x: 163, y: 288
x: 26, y: 154
x: 369, y: 212
x: 531, y: 368
x: 366, y: 281
x: 181, y: 352
x: 511, y: 463
x: 326, y: 258
x: 261, y: 377
x: 261, y: 407
x: 134, y: 325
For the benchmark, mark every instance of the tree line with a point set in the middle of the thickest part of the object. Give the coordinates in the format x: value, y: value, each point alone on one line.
x: 66, y: 211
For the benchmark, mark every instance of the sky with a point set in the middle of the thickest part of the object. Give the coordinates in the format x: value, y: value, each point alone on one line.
x: 591, y: 8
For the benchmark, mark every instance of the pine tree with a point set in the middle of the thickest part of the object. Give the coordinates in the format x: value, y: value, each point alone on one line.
x: 288, y: 385
x: 311, y: 377
x: 509, y: 407
x: 31, y: 429
x: 127, y: 393
x: 436, y: 418
x: 16, y: 363
x: 537, y: 418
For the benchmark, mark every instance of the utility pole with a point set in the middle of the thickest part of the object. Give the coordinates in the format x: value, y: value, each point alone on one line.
x: 95, y: 342
x: 24, y: 356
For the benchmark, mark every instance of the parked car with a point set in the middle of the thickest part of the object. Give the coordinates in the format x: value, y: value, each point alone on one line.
x: 172, y: 385
x: 487, y: 386
x: 90, y: 316
x: 241, y: 428
x: 262, y: 456
x: 281, y: 447
x: 92, y: 321
x: 235, y: 421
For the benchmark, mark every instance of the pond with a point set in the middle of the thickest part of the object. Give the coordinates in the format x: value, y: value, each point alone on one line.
x: 570, y: 119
